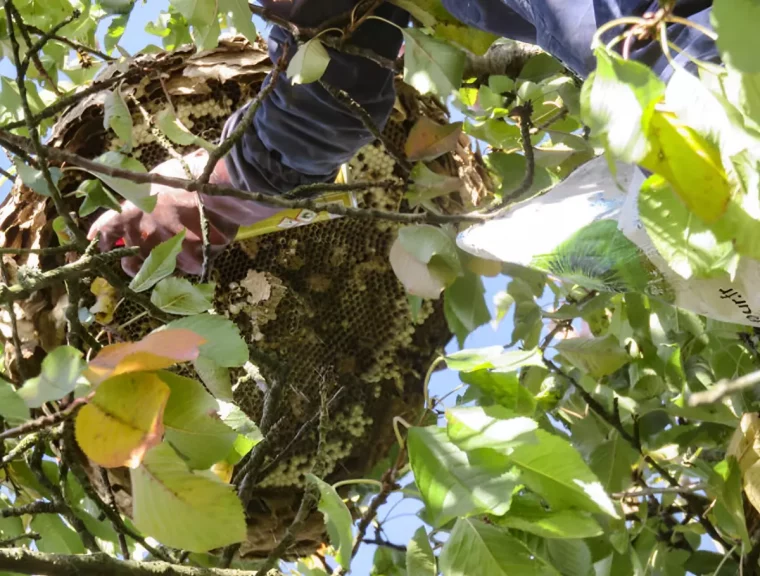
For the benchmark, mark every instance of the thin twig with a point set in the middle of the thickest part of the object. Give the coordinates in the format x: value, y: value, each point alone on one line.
x: 524, y: 113
x: 650, y: 491
x: 110, y: 501
x: 42, y: 251
x: 21, y: 66
x: 22, y: 290
x: 25, y: 536
x: 71, y: 43
x: 36, y: 507
x: 44, y: 422
x: 724, y: 388
x: 385, y: 544
x: 216, y: 190
x: 693, y: 503
x: 19, y: 449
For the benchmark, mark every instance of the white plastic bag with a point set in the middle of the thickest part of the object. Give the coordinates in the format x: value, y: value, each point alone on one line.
x: 586, y: 230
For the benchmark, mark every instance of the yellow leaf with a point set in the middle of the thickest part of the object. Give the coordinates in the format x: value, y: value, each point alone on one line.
x: 745, y: 443
x: 428, y: 139
x: 223, y: 471
x: 156, y: 351
x: 123, y: 419
x: 105, y: 301
x: 691, y: 165
x: 752, y: 485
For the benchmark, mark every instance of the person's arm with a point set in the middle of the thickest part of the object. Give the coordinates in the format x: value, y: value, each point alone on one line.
x: 300, y: 135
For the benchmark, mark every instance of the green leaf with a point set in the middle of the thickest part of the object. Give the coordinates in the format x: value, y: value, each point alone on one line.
x: 556, y: 471
x: 179, y: 296
x: 501, y: 84
x: 492, y: 427
x: 61, y: 370
x: 115, y: 31
x: 338, y: 520
x: 738, y: 41
x: 159, y: 264
x: 502, y: 301
x: 197, y: 12
x: 117, y: 117
x: 11, y: 526
x: 432, y: 246
x: 57, y: 538
x: 511, y: 168
x: 573, y: 557
x: 430, y: 65
x: 177, y: 132
x: 596, y: 356
x: 182, y: 509
x: 681, y: 238
x: 475, y: 547
x: 95, y: 196
x: 529, y: 515
x: 540, y: 67
x: 420, y: 560
x: 612, y: 461
x: 450, y: 484
x: 224, y: 345
x: 33, y: 178
x: 13, y: 408
x: 235, y: 418
x: 241, y: 18
x: 614, y: 100
x: 191, y: 426
x: 504, y: 387
x: 138, y: 194
x: 216, y: 378
x: 309, y: 63
x: 429, y: 185
x: 465, y: 306
x: 493, y: 357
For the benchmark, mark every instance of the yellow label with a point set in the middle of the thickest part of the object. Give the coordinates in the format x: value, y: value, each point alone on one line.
x: 292, y: 217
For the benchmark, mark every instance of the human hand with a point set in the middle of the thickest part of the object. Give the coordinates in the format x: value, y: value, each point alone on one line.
x: 177, y: 210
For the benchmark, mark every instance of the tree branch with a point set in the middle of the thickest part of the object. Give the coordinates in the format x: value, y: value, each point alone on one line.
x: 44, y: 422
x: 724, y: 388
x: 23, y: 561
x: 66, y: 272
x: 37, y: 507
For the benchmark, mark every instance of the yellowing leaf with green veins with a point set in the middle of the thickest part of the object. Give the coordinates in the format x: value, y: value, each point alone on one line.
x: 597, y: 356
x: 60, y: 372
x: 183, y: 509
x: 428, y: 139
x: 123, y: 419
x: 156, y: 351
x: 105, y: 301
x: 159, y: 264
x: 179, y: 296
x: 690, y: 163
x: 338, y: 520
x: 117, y: 117
x: 309, y: 62
x: 192, y: 427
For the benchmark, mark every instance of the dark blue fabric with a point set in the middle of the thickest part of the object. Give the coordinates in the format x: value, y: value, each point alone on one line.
x: 301, y: 135
x: 565, y: 28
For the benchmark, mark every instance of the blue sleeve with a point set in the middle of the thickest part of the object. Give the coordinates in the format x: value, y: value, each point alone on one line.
x: 301, y: 134
x: 565, y: 28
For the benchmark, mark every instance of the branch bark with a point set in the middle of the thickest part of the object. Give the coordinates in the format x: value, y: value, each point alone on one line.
x: 24, y: 561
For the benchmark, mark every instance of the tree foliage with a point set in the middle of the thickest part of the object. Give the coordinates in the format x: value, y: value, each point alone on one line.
x: 614, y: 434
